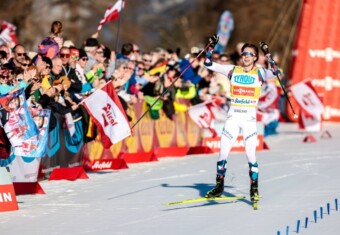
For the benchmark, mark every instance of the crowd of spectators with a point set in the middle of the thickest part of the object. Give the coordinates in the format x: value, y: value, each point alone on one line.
x: 59, y: 75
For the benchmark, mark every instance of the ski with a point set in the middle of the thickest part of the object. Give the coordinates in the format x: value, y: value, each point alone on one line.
x: 255, y: 200
x: 204, y: 199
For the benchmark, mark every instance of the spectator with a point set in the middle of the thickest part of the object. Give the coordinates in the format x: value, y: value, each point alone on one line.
x: 56, y: 32
x: 5, y: 54
x: 19, y: 53
x: 69, y: 72
x: 91, y: 45
x: 126, y: 51
x: 147, y: 59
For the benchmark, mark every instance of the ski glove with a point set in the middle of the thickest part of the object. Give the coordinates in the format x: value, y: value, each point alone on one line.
x: 213, y: 40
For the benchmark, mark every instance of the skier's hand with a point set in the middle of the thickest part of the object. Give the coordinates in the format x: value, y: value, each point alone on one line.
x: 213, y: 40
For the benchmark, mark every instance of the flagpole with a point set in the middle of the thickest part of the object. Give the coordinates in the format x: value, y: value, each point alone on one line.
x: 119, y: 23
x: 166, y: 90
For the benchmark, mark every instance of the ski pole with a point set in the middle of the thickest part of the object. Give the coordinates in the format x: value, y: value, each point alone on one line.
x: 173, y: 82
x: 265, y: 49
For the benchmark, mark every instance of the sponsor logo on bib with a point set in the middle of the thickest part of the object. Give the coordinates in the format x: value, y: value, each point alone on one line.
x: 244, y: 79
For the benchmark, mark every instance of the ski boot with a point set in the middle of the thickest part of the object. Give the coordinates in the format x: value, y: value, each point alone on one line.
x: 254, y: 194
x: 254, y: 178
x: 218, y: 190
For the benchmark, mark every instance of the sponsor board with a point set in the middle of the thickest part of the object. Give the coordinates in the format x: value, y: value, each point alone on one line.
x: 214, y: 144
x: 8, y: 201
x: 98, y: 165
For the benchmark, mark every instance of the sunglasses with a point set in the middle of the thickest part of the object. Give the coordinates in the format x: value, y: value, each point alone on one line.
x: 25, y: 65
x: 84, y: 59
x: 246, y: 53
x: 140, y: 68
x: 4, y: 77
x: 62, y: 55
x: 47, y: 67
x: 136, y: 51
x: 21, y: 54
x: 100, y: 52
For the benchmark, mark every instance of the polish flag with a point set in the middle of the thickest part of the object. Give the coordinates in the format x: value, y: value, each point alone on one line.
x: 311, y: 106
x: 205, y: 113
x: 112, y: 13
x: 8, y: 34
x: 270, y: 96
x: 108, y: 114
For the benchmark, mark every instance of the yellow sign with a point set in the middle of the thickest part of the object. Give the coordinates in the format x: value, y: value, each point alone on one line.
x: 165, y: 130
x: 146, y: 131
x: 180, y: 129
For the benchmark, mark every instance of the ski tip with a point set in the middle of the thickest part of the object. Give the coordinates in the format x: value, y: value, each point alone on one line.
x: 255, y: 206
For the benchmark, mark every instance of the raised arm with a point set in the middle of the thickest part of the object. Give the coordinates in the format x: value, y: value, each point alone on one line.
x: 208, y: 62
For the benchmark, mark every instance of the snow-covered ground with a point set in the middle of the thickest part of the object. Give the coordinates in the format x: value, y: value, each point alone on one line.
x: 296, y: 178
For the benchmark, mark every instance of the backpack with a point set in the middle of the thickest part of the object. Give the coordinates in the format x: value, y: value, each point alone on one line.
x: 48, y: 47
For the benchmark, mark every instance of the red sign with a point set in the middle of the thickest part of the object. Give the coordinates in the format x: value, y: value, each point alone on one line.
x: 244, y: 91
x: 317, y: 54
x: 8, y: 201
x: 214, y: 144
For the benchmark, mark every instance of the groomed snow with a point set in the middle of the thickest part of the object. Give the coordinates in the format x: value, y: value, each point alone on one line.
x: 296, y: 178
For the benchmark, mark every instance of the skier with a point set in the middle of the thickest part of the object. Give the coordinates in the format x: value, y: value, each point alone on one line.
x: 245, y: 85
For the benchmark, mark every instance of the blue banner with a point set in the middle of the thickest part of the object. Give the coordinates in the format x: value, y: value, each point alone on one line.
x: 224, y: 29
x: 16, y: 119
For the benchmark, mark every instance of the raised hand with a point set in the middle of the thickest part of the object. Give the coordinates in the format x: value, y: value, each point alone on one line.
x: 213, y: 40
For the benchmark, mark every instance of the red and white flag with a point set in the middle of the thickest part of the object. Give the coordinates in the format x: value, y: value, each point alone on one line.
x: 8, y: 34
x: 108, y: 114
x: 270, y: 96
x: 205, y: 113
x: 311, y: 106
x: 112, y: 13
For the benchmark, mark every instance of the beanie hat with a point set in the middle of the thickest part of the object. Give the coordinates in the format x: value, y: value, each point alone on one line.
x: 91, y: 42
x: 82, y: 53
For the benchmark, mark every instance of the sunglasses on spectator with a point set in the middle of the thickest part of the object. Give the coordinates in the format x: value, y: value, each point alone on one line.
x: 140, y: 68
x: 100, y: 52
x: 4, y: 77
x: 25, y: 65
x: 20, y: 79
x: 129, y: 68
x: 62, y: 55
x: 21, y: 54
x: 136, y: 51
x: 74, y: 57
x: 246, y: 53
x: 47, y: 67
x: 84, y: 59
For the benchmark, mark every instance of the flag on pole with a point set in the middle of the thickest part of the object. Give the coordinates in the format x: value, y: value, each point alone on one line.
x: 270, y: 96
x: 108, y: 114
x: 204, y: 114
x: 8, y: 34
x: 311, y: 106
x: 112, y: 13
